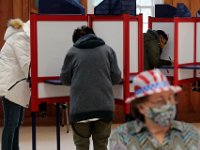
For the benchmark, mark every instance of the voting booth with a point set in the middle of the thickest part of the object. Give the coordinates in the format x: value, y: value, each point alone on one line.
x: 124, y: 35
x: 181, y: 47
x: 51, y: 38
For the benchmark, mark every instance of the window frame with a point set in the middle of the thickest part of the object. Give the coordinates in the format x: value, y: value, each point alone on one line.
x: 152, y: 7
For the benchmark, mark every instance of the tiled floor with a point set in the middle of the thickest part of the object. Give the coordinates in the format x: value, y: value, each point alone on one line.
x: 46, y: 138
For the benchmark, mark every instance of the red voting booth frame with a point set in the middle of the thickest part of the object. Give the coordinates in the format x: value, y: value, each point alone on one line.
x: 177, y: 66
x: 35, y: 100
x: 197, y: 62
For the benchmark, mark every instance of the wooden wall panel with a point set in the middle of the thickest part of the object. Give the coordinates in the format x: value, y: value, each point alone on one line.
x: 26, y: 9
x: 5, y: 13
x: 193, y: 5
x: 84, y: 3
x: 186, y: 2
x: 12, y: 9
x: 170, y: 2
x: 17, y: 9
x: 21, y: 9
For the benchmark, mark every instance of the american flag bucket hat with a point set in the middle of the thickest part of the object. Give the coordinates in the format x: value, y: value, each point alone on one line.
x: 150, y: 82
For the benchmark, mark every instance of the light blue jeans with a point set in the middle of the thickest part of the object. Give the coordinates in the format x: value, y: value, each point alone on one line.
x: 13, y: 115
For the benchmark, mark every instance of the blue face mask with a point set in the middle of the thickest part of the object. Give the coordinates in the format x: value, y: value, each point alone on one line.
x: 163, y: 115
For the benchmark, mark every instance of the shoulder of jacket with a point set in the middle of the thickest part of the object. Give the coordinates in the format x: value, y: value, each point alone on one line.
x: 21, y: 36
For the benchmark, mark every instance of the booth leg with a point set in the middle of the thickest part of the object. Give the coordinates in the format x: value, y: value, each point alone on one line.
x: 33, y: 114
x: 198, y: 84
x: 67, y: 118
x: 194, y: 86
x: 58, y: 125
x: 64, y: 109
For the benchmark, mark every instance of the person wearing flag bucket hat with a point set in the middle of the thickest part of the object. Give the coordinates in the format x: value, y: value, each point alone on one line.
x: 153, y: 106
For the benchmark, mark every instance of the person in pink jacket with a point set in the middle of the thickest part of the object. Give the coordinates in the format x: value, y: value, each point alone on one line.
x: 14, y: 68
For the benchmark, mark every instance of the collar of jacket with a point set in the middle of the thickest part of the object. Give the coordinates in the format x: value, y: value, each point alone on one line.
x: 140, y: 126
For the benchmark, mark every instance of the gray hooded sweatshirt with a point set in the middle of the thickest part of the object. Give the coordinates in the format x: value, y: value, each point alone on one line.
x: 91, y: 68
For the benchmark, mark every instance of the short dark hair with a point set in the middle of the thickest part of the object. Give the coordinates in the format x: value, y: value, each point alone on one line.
x: 79, y: 32
x: 134, y: 108
x: 162, y: 33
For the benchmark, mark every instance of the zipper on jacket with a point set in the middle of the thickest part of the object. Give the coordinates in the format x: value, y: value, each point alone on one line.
x: 16, y: 83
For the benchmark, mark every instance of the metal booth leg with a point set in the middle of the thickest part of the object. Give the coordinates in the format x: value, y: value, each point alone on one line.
x: 64, y: 108
x: 33, y: 114
x: 67, y: 117
x: 58, y: 125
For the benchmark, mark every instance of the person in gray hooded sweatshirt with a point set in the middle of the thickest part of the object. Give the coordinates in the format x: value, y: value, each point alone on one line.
x: 91, y: 68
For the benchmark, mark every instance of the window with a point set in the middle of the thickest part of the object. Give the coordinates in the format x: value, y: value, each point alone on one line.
x: 146, y: 7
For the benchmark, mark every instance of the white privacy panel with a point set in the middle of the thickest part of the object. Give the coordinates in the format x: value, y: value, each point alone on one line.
x: 133, y: 46
x: 168, y: 72
x: 46, y: 90
x: 185, y: 74
x: 185, y: 42
x: 182, y: 73
x: 198, y: 42
x: 112, y: 33
x: 168, y: 28
x: 118, y: 91
x: 198, y: 73
x: 54, y: 39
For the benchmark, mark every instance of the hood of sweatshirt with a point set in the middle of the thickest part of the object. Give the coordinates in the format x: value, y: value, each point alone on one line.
x: 88, y: 41
x: 10, y: 31
x: 151, y: 35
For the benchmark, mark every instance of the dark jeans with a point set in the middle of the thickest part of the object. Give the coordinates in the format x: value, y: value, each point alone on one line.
x: 13, y: 115
x: 99, y: 130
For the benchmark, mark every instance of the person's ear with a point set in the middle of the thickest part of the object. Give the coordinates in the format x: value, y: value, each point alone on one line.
x: 160, y: 38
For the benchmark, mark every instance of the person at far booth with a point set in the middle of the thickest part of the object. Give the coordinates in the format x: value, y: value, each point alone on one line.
x: 154, y: 42
x: 14, y: 87
x: 154, y: 107
x: 91, y: 68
